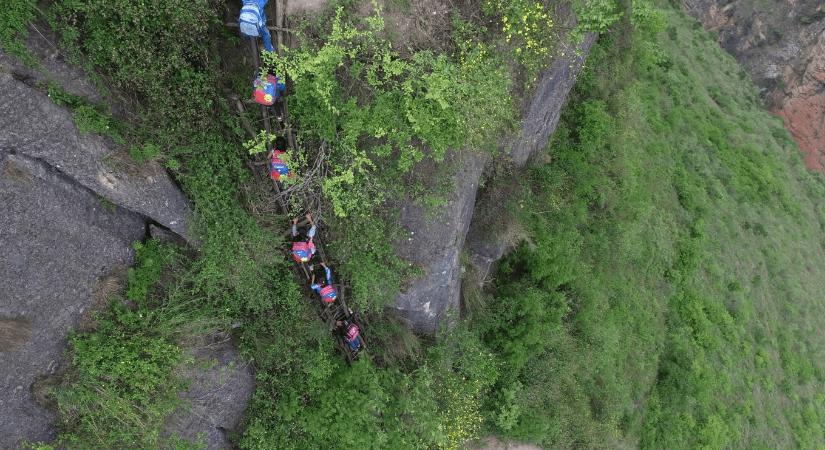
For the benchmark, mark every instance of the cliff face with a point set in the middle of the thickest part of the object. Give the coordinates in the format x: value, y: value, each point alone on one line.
x: 782, y: 46
x: 435, y: 241
x: 58, y: 245
x: 70, y: 209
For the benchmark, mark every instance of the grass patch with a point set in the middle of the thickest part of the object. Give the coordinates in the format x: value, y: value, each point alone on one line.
x: 15, y: 17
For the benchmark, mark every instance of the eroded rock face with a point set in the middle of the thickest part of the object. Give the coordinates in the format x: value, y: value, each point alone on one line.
x: 33, y: 126
x: 56, y: 241
x: 435, y: 240
x: 782, y: 46
x: 52, y: 68
x: 543, y: 113
x: 69, y: 213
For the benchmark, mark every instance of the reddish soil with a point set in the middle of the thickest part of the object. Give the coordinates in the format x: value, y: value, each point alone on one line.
x: 805, y: 119
x: 804, y: 109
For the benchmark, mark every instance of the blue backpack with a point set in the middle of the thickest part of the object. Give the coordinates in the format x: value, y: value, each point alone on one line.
x: 250, y: 20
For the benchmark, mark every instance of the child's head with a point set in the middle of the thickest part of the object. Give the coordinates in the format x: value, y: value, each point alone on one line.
x: 280, y: 143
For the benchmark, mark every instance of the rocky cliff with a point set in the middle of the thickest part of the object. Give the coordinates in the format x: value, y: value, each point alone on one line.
x: 436, y: 241
x: 781, y: 45
x: 70, y: 208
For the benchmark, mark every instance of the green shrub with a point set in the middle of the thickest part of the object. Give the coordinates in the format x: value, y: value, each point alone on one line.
x: 122, y: 382
x: 15, y: 17
x: 596, y: 15
x: 154, y: 49
x: 144, y: 153
x: 527, y: 25
x: 403, y: 110
x: 88, y: 119
x: 617, y: 319
x: 153, y: 260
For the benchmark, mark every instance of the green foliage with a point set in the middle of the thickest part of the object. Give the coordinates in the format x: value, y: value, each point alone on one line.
x: 435, y: 406
x: 15, y: 17
x: 38, y: 446
x: 658, y: 299
x: 145, y: 152
x: 153, y: 49
x: 380, y: 116
x: 89, y: 119
x: 640, y: 310
x: 153, y: 259
x: 260, y: 143
x: 122, y: 388
x: 125, y: 373
x: 527, y: 25
x: 387, y: 112
x: 596, y: 15
x: 122, y: 381
x: 159, y: 54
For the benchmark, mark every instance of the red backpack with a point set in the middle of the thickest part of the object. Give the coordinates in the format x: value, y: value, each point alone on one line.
x: 303, y: 251
x: 328, y: 293
x: 277, y: 167
x: 353, y: 332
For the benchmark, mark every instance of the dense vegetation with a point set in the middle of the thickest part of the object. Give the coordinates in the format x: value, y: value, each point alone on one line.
x: 667, y: 293
x: 14, y: 20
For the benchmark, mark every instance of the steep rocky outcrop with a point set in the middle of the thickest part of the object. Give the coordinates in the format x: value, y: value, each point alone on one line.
x: 486, y: 242
x: 782, y: 46
x: 31, y: 125
x: 70, y: 208
x: 57, y: 242
x: 435, y: 240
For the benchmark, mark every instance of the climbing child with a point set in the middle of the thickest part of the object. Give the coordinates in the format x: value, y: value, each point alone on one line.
x: 352, y: 333
x: 252, y: 22
x: 353, y: 337
x: 327, y: 291
x: 277, y: 167
x: 302, y: 250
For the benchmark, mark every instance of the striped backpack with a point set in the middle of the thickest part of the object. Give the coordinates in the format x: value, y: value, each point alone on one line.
x: 302, y: 251
x: 277, y: 167
x: 353, y: 332
x: 328, y: 293
x: 250, y: 19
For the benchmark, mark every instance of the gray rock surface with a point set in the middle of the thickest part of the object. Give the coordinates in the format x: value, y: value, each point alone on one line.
x: 34, y: 126
x: 543, y: 114
x: 487, y: 244
x: 435, y: 241
x: 51, y: 67
x: 61, y: 244
x: 57, y: 241
x: 217, y: 397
